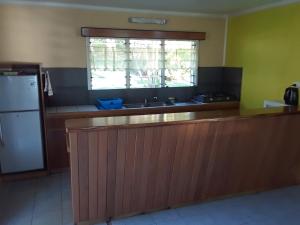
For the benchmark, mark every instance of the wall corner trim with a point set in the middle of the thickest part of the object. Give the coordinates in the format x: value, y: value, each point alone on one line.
x: 225, y: 40
x: 264, y: 7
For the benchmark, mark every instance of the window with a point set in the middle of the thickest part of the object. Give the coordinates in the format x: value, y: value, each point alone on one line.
x: 118, y: 63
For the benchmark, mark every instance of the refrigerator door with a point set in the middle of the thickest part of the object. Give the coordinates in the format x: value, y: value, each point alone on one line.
x: 20, y: 142
x: 19, y: 93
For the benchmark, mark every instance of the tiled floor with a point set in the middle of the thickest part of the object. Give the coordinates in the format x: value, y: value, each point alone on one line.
x: 279, y: 207
x: 46, y: 201
x: 43, y: 201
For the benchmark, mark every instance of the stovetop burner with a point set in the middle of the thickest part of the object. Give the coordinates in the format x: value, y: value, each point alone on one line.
x: 214, y: 97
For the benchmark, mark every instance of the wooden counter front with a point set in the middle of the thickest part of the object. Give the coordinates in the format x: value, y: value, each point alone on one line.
x: 129, y: 165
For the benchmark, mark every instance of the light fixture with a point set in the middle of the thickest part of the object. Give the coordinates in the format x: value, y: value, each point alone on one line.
x: 147, y: 20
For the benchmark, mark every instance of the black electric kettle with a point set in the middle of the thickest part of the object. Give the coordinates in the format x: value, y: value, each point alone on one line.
x: 291, y: 96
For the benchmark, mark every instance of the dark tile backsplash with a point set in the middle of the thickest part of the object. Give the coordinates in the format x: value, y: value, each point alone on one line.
x: 232, y: 81
x: 139, y: 95
x: 210, y: 79
x: 68, y: 77
x: 70, y: 87
x: 64, y: 96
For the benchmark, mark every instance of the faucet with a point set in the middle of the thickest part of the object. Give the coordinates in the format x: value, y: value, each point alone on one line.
x: 145, y: 101
x: 155, y: 99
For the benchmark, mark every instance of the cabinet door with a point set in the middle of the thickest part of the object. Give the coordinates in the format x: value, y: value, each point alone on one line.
x: 249, y: 155
x: 89, y: 174
x: 58, y: 157
x: 193, y: 149
x: 144, y: 163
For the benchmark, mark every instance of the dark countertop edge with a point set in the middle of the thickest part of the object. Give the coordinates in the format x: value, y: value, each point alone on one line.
x: 149, y: 110
x: 87, y: 124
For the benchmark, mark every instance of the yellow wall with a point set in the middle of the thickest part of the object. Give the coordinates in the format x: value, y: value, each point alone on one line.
x: 267, y: 45
x: 52, y: 35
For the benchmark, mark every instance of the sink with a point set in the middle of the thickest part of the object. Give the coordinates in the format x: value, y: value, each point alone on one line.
x: 186, y: 103
x: 142, y: 105
x: 134, y: 105
x: 157, y: 104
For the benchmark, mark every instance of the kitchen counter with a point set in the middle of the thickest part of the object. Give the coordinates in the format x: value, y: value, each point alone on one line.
x: 177, y: 118
x: 57, y: 155
x: 133, y: 164
x: 82, y: 111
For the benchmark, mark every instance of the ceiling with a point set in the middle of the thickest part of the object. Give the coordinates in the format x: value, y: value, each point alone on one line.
x: 187, y: 6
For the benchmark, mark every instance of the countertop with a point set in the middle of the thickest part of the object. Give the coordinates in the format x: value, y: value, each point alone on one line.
x: 175, y: 118
x: 68, y: 109
x: 84, y: 111
x: 93, y: 108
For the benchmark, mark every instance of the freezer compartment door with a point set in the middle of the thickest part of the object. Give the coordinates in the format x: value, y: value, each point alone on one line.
x: 18, y: 93
x: 20, y: 142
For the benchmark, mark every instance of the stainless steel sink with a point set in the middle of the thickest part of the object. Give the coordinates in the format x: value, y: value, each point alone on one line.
x: 134, y: 105
x: 186, y: 103
x: 142, y: 105
x: 157, y: 104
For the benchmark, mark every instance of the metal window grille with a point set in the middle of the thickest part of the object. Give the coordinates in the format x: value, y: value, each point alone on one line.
x: 119, y: 63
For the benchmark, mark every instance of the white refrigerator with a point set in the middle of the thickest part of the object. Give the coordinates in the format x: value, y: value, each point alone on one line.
x: 21, y: 147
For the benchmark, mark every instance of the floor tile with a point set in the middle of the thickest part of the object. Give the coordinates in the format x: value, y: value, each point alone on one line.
x: 48, y: 204
x: 179, y: 221
x: 67, y: 214
x: 165, y: 216
x: 48, y: 218
x: 135, y: 220
x: 66, y: 194
x: 16, y: 220
x: 24, y: 186
x: 199, y: 220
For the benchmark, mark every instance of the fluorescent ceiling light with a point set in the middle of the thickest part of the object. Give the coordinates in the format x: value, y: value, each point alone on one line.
x: 147, y: 20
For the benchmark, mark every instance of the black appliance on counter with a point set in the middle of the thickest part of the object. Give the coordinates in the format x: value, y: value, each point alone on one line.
x: 291, y: 95
x: 214, y: 97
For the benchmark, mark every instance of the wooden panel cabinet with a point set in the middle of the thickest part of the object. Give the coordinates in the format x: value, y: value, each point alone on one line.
x: 127, y: 170
x: 190, y: 161
x: 57, y: 155
x: 144, y: 163
x: 89, y: 174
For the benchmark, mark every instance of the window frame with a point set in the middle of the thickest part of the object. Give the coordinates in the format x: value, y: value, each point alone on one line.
x: 127, y: 85
x: 92, y: 32
x: 88, y: 63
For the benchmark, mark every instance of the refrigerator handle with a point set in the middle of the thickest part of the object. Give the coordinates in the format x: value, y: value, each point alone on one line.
x: 1, y: 135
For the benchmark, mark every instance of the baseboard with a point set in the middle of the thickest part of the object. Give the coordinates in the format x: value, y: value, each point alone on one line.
x: 23, y: 176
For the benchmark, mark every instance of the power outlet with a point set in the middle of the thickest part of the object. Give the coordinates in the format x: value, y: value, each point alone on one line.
x: 297, y: 84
